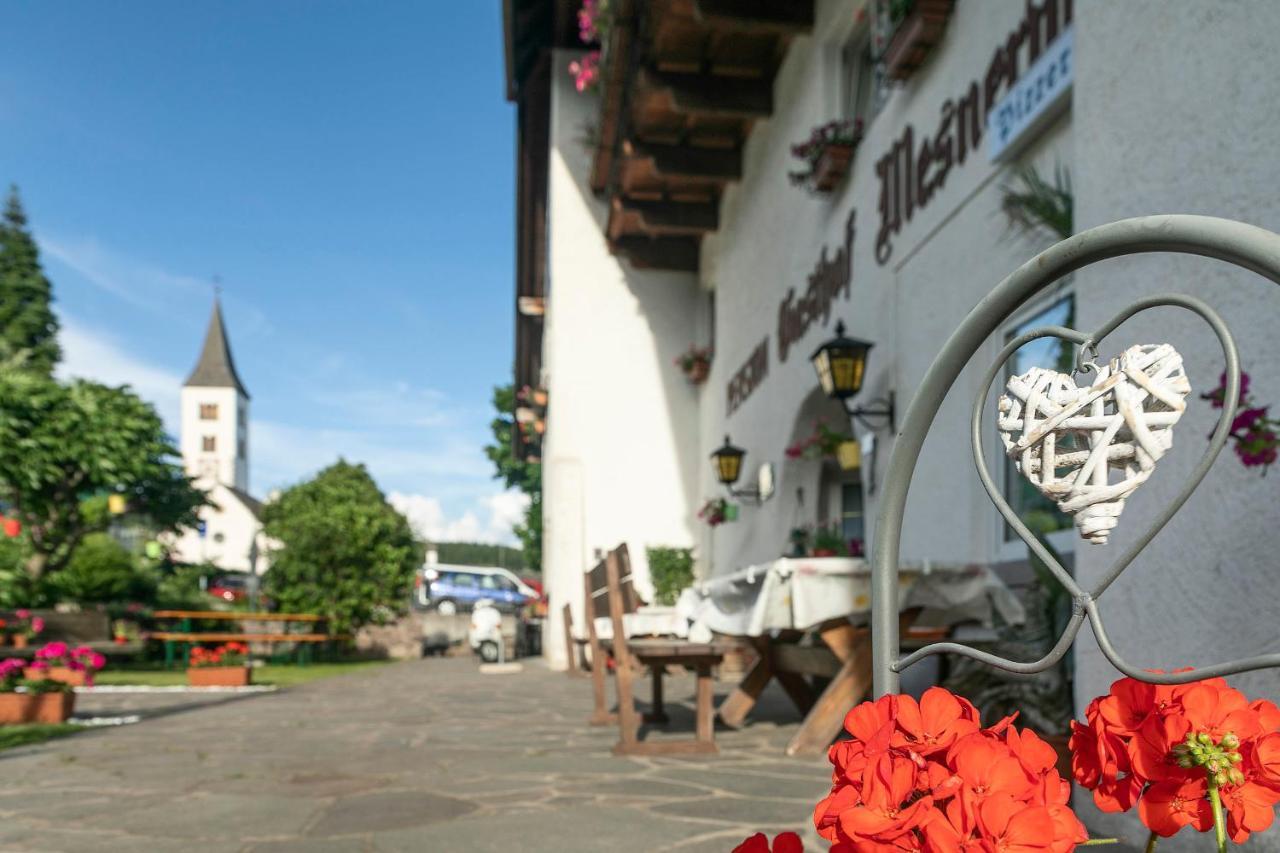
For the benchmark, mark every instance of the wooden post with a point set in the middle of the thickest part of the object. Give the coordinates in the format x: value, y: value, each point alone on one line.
x: 600, y: 715
x: 658, y: 712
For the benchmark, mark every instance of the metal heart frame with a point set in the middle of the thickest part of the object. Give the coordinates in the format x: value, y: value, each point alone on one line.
x: 1244, y: 245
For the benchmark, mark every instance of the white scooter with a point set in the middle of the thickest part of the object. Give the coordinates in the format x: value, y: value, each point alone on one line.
x: 485, y: 634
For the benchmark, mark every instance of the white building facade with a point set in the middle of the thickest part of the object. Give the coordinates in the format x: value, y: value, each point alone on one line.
x: 1149, y: 108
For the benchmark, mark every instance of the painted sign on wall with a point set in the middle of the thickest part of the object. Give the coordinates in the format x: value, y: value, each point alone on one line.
x: 748, y: 377
x: 916, y: 165
x: 830, y: 278
x: 1034, y: 100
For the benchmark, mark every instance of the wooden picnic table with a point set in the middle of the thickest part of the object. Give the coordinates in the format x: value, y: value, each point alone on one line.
x: 185, y: 635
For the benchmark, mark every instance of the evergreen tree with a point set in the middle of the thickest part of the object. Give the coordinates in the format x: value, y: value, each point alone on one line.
x: 28, y: 327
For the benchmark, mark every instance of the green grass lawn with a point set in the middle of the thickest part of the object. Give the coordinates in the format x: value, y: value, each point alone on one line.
x: 22, y: 735
x: 281, y: 675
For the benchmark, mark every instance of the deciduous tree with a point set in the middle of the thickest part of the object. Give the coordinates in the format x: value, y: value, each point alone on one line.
x: 65, y: 447
x: 344, y: 552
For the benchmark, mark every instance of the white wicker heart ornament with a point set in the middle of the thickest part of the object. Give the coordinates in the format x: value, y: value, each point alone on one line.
x: 1068, y: 440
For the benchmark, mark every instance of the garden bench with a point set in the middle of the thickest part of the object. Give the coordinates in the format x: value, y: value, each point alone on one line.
x: 187, y: 636
x: 610, y: 592
x: 574, y: 646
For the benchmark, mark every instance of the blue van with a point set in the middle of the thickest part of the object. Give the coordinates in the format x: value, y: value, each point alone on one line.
x: 451, y: 589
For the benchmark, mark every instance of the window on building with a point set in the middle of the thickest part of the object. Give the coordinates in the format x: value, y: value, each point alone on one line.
x: 851, y: 519
x: 209, y: 443
x: 863, y: 89
x: 208, y: 411
x: 1038, y: 512
x: 240, y: 448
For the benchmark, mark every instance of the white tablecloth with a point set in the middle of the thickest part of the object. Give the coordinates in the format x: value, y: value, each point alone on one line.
x: 647, y: 621
x: 801, y: 593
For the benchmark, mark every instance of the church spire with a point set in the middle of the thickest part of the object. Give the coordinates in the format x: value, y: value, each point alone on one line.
x: 216, y: 369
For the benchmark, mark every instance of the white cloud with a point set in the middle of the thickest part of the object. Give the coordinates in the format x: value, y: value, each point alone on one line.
x: 427, y: 517
x: 92, y: 354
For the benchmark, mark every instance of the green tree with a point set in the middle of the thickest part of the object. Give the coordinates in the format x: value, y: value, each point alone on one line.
x: 28, y: 326
x: 345, y: 553
x: 516, y: 473
x: 102, y: 570
x: 64, y: 447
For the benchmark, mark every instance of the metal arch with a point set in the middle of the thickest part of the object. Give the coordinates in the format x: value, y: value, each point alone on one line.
x: 1244, y: 245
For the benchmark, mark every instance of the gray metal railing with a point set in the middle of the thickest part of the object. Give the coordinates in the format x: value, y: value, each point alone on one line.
x: 1234, y: 242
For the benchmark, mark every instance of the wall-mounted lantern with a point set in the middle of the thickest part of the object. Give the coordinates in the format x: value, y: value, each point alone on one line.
x: 841, y: 364
x: 727, y: 462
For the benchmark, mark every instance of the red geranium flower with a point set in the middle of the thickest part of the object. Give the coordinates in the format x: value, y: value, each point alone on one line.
x: 783, y: 842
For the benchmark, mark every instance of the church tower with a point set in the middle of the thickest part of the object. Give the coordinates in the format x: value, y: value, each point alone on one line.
x: 215, y: 414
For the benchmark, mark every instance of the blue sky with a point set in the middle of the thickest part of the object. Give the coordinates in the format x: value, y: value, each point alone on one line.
x: 346, y: 168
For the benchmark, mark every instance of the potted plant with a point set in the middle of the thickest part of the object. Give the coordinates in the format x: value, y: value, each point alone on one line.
x: 59, y: 662
x: 829, y: 542
x: 39, y: 700
x: 799, y: 541
x: 695, y: 362
x: 25, y: 628
x: 222, y: 666
x: 717, y: 511
x: 918, y: 25
x: 826, y: 155
x: 827, y: 443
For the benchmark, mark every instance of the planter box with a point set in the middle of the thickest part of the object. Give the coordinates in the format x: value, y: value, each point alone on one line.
x: 74, y: 677
x: 218, y: 676
x: 19, y: 641
x: 36, y: 707
x: 917, y: 35
x: 832, y: 167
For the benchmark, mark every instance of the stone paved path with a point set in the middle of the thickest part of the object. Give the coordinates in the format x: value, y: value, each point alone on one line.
x: 421, y: 756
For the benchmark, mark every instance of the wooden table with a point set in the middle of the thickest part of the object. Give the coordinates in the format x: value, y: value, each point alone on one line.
x: 844, y: 657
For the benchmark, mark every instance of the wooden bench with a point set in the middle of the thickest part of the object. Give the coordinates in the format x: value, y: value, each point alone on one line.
x: 186, y: 636
x: 610, y: 592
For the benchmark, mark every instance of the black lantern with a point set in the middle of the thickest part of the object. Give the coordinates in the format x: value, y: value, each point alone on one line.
x: 841, y: 364
x: 728, y: 462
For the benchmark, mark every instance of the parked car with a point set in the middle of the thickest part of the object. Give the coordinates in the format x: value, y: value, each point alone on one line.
x: 451, y: 589
x: 230, y: 588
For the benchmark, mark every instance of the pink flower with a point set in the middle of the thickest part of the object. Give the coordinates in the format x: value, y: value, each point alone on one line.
x: 53, y: 651
x: 1246, y: 420
x: 97, y: 661
x: 37, y: 624
x: 22, y: 613
x: 586, y: 71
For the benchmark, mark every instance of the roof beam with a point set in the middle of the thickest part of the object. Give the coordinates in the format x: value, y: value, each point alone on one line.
x: 709, y: 95
x: 684, y: 161
x: 784, y: 17
x: 673, y: 217
x: 663, y: 253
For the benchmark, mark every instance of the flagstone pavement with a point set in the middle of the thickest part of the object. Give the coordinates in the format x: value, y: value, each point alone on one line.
x: 427, y: 755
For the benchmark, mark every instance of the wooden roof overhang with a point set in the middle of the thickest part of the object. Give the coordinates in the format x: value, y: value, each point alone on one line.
x: 683, y: 84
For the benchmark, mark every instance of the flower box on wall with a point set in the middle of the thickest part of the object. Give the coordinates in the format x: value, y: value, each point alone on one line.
x: 832, y: 166
x: 218, y: 676
x: 51, y: 707
x: 916, y: 36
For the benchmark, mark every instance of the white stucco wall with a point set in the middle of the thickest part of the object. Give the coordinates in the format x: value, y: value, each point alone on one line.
x: 620, y: 451
x: 227, y: 429
x: 1186, y: 124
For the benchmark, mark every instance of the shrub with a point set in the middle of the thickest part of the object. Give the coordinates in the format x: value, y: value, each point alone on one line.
x: 671, y: 570
x: 101, y: 570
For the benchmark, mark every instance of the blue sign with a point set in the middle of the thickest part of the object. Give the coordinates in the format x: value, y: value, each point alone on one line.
x: 1034, y: 99
x: 201, y: 527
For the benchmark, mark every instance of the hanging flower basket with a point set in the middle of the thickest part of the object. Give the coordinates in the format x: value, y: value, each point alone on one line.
x: 921, y: 27
x: 827, y: 443
x: 29, y: 707
x: 695, y: 362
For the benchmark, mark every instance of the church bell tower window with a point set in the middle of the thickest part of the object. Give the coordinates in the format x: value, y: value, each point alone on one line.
x: 210, y: 443
x: 208, y: 411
